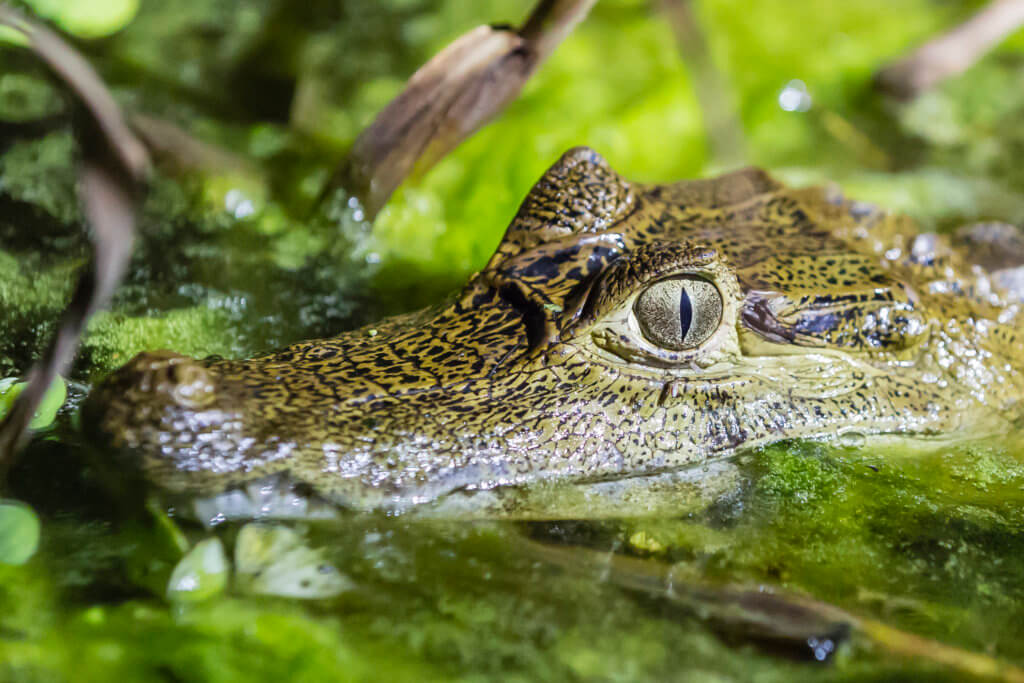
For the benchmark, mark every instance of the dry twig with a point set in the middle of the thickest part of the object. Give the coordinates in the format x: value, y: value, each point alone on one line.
x: 173, y: 146
x: 781, y: 618
x: 724, y: 129
x: 451, y: 97
x: 952, y: 52
x: 113, y: 168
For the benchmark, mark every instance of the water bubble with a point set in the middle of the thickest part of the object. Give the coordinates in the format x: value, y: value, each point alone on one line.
x: 238, y: 205
x: 821, y: 648
x: 345, y: 212
x: 794, y: 97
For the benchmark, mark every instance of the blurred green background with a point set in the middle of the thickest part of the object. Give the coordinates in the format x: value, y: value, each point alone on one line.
x: 236, y: 261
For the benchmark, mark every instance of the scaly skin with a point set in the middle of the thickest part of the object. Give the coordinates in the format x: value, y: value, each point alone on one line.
x: 835, y: 318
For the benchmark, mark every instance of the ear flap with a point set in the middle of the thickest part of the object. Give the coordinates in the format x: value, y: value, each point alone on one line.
x: 579, y: 193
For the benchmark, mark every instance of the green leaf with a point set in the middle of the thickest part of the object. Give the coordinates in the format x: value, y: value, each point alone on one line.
x: 11, y: 388
x: 87, y: 18
x: 201, y: 574
x: 19, y: 532
x: 275, y: 560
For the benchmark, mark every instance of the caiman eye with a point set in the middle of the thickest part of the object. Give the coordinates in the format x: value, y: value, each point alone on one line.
x: 679, y: 313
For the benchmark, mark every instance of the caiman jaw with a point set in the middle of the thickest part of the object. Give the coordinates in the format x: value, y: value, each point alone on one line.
x: 619, y: 333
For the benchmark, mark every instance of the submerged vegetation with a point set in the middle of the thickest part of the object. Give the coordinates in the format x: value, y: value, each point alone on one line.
x: 230, y: 262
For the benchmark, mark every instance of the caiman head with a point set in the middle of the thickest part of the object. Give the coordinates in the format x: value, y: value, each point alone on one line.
x: 619, y: 331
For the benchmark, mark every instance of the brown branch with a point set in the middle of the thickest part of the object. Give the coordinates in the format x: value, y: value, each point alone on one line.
x: 449, y: 98
x: 718, y: 109
x: 78, y: 76
x: 173, y: 146
x: 114, y: 166
x: 761, y: 614
x: 550, y: 23
x: 952, y: 52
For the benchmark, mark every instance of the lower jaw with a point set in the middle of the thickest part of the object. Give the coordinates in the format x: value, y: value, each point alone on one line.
x: 277, y: 497
x: 270, y: 498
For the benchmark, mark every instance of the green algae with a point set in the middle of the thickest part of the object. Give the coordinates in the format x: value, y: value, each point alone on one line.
x: 927, y: 542
x: 113, y: 339
x: 40, y: 173
x: 23, y: 98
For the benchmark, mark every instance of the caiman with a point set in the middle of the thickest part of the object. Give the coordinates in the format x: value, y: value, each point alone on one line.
x: 623, y: 341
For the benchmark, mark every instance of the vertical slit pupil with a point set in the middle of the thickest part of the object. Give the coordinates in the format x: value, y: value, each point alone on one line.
x: 685, y: 313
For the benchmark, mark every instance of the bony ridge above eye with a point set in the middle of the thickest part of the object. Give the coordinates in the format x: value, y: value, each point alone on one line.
x: 679, y: 313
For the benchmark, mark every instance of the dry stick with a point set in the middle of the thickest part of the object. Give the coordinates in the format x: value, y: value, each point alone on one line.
x: 85, y: 83
x: 763, y: 614
x: 172, y: 145
x: 952, y: 52
x: 114, y: 166
x: 725, y: 132
x: 451, y: 97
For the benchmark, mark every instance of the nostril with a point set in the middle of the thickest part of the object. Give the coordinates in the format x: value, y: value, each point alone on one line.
x: 192, y: 384
x: 150, y: 370
x: 188, y: 383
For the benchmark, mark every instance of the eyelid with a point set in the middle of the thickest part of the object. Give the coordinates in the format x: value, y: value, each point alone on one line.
x: 613, y: 327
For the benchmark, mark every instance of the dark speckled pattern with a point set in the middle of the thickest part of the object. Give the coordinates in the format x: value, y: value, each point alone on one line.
x: 837, y: 318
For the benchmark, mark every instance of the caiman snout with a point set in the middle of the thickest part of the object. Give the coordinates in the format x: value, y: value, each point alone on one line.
x: 173, y: 417
x: 179, y: 378
x: 155, y: 394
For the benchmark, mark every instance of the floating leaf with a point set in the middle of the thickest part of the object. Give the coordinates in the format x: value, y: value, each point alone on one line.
x: 53, y: 399
x: 87, y: 18
x: 19, y: 532
x: 201, y: 574
x: 274, y: 560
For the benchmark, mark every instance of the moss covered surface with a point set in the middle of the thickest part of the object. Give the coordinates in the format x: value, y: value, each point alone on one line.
x: 229, y: 263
